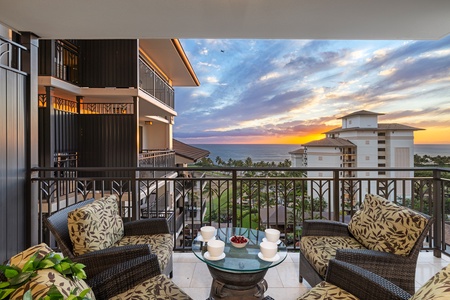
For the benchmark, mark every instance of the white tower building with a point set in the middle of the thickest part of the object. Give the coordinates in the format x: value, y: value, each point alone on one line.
x: 361, y: 142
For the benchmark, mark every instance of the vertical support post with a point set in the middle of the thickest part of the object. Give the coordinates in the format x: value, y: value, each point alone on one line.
x: 136, y: 213
x: 336, y: 194
x: 234, y: 196
x: 30, y: 66
x: 438, y: 212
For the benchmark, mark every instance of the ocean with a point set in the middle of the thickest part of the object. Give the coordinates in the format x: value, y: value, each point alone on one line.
x: 280, y: 152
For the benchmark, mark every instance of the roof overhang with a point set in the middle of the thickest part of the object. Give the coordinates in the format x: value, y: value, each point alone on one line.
x: 268, y: 19
x: 169, y: 56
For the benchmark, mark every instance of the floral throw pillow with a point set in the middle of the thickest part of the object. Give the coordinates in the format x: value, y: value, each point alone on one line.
x: 44, y: 279
x: 95, y: 226
x: 385, y: 226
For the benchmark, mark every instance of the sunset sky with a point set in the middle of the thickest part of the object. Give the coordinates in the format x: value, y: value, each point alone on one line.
x: 292, y: 91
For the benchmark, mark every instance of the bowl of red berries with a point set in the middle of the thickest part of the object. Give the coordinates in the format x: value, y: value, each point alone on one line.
x: 238, y: 241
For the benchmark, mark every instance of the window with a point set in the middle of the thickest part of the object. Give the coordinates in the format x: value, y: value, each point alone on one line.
x: 381, y: 165
x: 382, y: 157
x: 320, y: 158
x: 381, y: 142
x: 367, y: 174
x: 320, y: 174
x: 367, y: 142
x: 381, y: 133
x: 367, y: 157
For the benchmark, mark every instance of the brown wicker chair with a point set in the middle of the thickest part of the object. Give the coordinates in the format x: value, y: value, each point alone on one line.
x: 137, y: 278
x: 134, y: 279
x: 97, y: 261
x: 347, y: 281
x: 399, y: 269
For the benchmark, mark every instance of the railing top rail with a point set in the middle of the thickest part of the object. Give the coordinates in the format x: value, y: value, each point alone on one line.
x: 13, y: 43
x: 231, y: 169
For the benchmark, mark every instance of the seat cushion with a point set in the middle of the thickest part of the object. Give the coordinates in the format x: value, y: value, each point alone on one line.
x: 327, y: 291
x: 160, y: 244
x: 318, y: 250
x: 45, y: 278
x: 156, y: 288
x: 382, y: 225
x: 437, y: 287
x: 95, y: 226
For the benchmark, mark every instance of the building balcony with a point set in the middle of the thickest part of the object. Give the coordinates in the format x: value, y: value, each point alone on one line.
x: 151, y: 83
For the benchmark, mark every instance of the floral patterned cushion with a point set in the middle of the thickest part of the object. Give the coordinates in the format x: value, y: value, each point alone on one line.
x: 95, y: 226
x: 318, y: 250
x: 160, y: 244
x: 327, y: 291
x: 382, y: 225
x: 21, y: 258
x: 156, y: 288
x: 45, y: 279
x: 437, y: 287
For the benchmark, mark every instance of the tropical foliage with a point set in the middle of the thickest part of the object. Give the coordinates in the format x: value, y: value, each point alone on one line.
x: 16, y: 277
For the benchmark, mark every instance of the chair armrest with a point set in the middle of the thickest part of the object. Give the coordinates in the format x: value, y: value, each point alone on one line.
x: 324, y: 228
x: 371, y: 259
x: 362, y: 283
x: 98, y: 261
x: 146, y: 227
x: 124, y: 276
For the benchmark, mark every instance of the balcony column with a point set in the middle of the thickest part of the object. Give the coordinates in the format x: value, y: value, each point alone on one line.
x: 47, y: 148
x: 438, y: 213
x: 136, y: 213
x: 30, y: 66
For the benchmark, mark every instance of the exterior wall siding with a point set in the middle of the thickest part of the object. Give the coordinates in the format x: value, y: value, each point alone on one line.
x: 108, y: 63
x: 12, y: 163
x: 107, y: 140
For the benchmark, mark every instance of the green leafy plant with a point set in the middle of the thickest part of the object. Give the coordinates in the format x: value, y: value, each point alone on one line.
x: 16, y: 276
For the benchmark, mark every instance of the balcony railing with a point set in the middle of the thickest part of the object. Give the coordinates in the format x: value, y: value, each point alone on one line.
x: 151, y: 83
x: 248, y: 197
x: 11, y: 54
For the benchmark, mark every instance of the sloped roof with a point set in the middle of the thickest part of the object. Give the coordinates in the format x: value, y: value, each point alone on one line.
x: 330, y: 142
x: 381, y: 127
x: 298, y: 151
x: 361, y: 113
x: 188, y: 151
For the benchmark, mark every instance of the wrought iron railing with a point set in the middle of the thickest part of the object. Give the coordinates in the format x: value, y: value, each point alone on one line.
x: 151, y: 83
x: 66, y: 61
x: 249, y: 197
x: 11, y: 54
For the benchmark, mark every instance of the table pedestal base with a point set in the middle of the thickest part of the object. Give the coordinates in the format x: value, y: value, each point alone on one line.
x: 248, y: 286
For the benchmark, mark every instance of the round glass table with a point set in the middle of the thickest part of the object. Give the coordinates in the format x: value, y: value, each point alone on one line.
x: 240, y: 273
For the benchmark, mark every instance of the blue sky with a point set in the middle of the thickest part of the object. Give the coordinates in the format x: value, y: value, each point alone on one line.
x: 292, y: 91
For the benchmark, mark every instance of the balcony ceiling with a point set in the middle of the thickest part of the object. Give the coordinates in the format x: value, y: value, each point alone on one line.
x: 267, y: 19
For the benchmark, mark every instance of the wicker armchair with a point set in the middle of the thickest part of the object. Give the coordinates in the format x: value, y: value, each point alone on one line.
x: 98, y: 261
x: 134, y: 279
x: 388, y: 249
x: 137, y: 278
x: 352, y: 282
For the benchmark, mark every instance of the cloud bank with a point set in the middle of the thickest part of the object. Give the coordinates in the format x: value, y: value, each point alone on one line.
x: 258, y: 91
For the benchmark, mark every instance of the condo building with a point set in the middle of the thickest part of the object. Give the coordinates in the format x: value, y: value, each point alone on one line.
x: 361, y: 142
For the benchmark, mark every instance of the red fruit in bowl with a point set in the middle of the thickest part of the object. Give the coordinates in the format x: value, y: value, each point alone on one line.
x: 239, y: 239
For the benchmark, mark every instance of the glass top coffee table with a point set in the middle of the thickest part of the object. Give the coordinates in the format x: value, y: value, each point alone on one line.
x: 240, y: 273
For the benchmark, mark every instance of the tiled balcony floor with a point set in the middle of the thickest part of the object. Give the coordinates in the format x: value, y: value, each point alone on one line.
x: 193, y: 276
